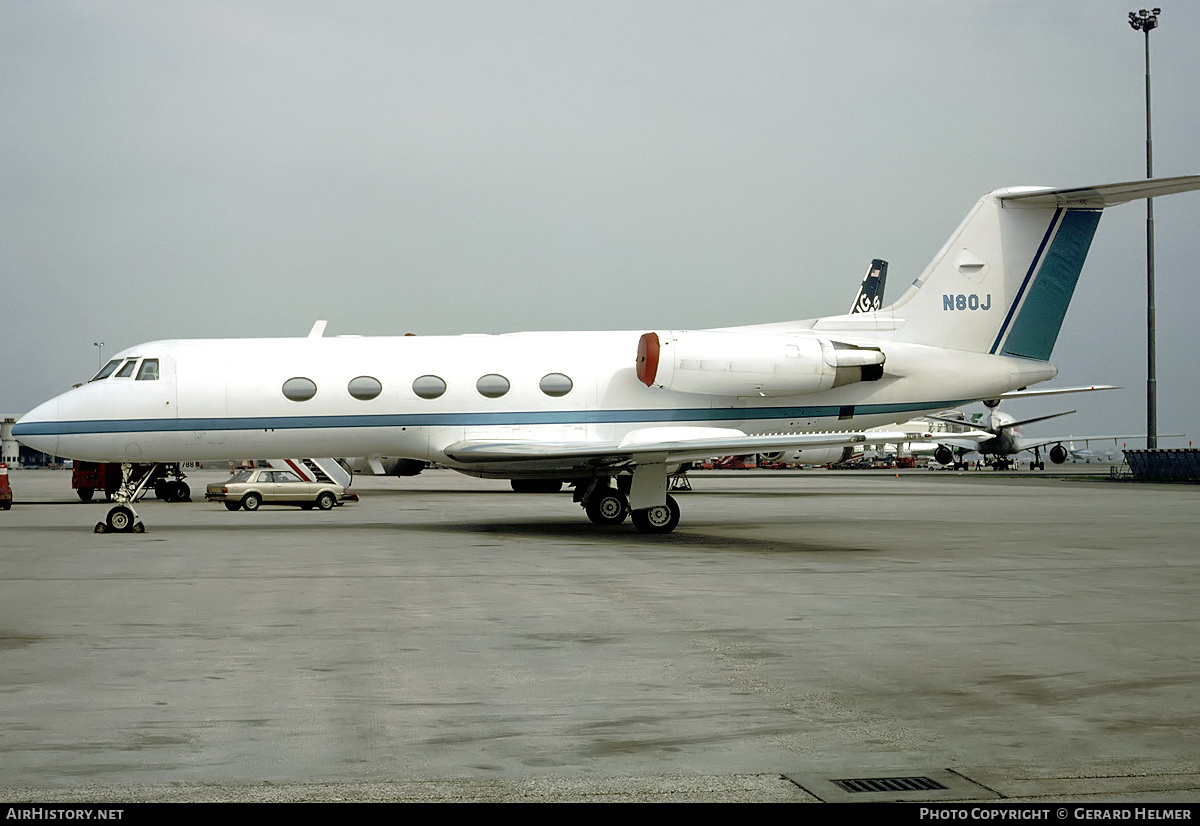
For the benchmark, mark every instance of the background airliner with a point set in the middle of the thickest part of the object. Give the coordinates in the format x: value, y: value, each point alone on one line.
x: 613, y: 413
x: 1000, y: 435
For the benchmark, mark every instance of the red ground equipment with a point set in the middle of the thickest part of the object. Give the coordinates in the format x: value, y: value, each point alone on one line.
x: 5, y: 490
x: 89, y: 477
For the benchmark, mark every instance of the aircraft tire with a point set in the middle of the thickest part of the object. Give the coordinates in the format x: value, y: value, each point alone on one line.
x: 180, y: 492
x: 251, y: 501
x: 232, y: 506
x: 659, y: 519
x: 119, y: 518
x: 85, y: 494
x: 326, y: 501
x: 607, y: 507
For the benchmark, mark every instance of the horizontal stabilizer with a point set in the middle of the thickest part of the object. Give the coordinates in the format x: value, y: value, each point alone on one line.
x: 1055, y: 391
x: 1105, y: 195
x: 1023, y: 422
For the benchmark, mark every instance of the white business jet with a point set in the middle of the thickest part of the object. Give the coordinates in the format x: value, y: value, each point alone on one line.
x: 591, y: 408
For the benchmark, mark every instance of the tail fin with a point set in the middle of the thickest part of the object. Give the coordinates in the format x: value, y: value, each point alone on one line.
x: 870, y: 294
x: 1003, y: 281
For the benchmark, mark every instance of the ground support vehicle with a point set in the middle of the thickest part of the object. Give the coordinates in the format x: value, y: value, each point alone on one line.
x: 87, y: 478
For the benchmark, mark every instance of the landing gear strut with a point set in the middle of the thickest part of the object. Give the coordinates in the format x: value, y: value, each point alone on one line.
x: 122, y: 518
x: 1037, y: 463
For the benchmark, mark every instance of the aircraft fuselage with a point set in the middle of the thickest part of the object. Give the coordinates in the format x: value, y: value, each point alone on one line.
x: 229, y: 398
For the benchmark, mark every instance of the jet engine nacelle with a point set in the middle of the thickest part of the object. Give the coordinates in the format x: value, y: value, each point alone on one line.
x: 811, y: 455
x: 404, y: 467
x: 943, y: 455
x: 751, y: 364
x: 1058, y: 454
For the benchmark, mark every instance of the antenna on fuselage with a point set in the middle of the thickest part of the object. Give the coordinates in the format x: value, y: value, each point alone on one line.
x: 318, y: 329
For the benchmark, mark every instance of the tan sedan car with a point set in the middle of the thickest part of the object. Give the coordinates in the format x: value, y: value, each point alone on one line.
x: 250, y: 489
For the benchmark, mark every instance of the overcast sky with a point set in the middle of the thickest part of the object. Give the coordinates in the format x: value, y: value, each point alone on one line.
x: 213, y: 169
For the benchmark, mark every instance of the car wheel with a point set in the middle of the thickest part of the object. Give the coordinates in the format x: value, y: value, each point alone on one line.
x: 326, y: 501
x: 251, y: 501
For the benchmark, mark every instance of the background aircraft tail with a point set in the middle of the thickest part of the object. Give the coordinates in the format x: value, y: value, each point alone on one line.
x: 870, y: 294
x: 1004, y: 280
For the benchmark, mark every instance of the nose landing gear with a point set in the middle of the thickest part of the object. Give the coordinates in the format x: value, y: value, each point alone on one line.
x: 122, y: 518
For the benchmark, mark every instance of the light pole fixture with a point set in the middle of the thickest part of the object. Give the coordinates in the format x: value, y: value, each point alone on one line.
x: 1144, y: 21
x: 100, y: 354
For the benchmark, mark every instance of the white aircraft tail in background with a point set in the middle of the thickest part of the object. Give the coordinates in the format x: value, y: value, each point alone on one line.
x: 598, y: 408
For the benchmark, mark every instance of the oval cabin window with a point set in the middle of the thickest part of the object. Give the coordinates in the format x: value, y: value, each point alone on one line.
x: 555, y: 384
x: 429, y: 387
x: 493, y: 385
x: 364, y: 388
x: 299, y: 389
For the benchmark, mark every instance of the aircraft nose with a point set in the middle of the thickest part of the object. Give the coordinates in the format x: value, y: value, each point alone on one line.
x: 38, y: 428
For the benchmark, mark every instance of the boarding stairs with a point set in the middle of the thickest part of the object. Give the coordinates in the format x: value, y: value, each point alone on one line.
x: 315, y: 470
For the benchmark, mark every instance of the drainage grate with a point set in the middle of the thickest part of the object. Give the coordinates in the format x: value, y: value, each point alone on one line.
x: 931, y: 785
x: 890, y: 784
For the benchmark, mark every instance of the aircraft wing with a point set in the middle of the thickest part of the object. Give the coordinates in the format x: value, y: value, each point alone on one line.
x: 1030, y: 443
x: 970, y: 440
x: 653, y: 445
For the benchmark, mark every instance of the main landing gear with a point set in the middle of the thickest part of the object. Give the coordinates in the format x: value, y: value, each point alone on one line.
x: 606, y: 505
x: 135, y: 479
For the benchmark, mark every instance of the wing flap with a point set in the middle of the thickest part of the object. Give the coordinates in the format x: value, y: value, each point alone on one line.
x: 672, y: 444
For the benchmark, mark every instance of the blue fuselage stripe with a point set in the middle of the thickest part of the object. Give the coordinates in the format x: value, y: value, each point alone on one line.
x: 568, y: 417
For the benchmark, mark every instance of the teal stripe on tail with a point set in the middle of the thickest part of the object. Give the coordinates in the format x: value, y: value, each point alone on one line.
x: 1035, y: 328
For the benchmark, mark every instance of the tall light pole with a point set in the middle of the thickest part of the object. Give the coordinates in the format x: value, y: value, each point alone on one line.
x: 1144, y: 21
x: 100, y: 354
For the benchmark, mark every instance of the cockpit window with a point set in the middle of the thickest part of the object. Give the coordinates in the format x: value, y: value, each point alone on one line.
x: 148, y: 370
x: 127, y: 369
x: 106, y: 370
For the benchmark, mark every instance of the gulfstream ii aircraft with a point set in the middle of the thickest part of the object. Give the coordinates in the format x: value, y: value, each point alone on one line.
x: 598, y: 408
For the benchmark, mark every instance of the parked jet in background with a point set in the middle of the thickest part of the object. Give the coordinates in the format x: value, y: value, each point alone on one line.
x: 999, y: 437
x: 870, y: 294
x: 590, y: 408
